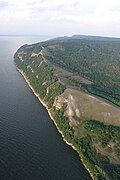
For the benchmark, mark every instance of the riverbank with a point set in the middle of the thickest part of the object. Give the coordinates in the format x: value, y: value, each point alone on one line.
x: 27, y: 80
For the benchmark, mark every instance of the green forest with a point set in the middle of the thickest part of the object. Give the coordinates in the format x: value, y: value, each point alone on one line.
x: 97, y: 61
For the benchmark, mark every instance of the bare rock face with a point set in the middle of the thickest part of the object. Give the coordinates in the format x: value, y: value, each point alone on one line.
x: 71, y: 108
x: 59, y: 101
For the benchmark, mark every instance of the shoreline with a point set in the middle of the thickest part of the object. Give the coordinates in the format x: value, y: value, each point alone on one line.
x: 70, y: 144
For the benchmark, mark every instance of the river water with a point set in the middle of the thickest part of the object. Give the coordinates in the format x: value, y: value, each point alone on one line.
x: 30, y: 146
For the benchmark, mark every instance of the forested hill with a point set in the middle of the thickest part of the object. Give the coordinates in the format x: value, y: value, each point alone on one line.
x: 96, y: 60
x: 63, y: 72
x: 87, y: 37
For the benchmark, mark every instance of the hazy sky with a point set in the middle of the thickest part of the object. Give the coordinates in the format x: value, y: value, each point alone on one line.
x: 60, y: 17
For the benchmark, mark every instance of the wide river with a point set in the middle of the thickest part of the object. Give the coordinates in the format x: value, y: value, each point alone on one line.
x: 30, y: 146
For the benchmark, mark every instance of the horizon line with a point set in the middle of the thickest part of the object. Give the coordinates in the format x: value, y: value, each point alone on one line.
x: 21, y: 35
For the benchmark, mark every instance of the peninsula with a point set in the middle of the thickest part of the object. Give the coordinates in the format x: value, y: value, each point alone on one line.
x: 77, y: 79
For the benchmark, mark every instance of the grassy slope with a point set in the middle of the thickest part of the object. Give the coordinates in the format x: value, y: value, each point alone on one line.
x: 95, y: 143
x: 93, y: 108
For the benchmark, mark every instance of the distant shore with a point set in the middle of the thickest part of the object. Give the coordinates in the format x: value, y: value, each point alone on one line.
x: 27, y: 80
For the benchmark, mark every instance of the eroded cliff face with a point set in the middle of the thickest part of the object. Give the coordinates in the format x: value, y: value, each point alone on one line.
x: 71, y: 110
